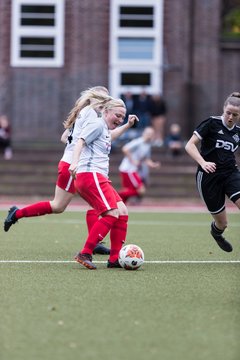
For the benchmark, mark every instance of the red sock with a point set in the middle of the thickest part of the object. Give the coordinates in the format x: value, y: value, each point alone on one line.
x: 126, y: 194
x: 38, y: 209
x: 91, y: 218
x: 98, y: 233
x: 118, y: 236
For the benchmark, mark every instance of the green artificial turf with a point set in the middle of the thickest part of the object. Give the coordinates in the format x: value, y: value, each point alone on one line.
x: 179, y: 309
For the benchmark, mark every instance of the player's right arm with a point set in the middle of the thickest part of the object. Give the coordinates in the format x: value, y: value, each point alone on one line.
x: 192, y: 149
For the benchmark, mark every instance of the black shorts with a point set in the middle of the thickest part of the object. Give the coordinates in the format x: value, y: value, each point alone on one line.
x: 213, y: 189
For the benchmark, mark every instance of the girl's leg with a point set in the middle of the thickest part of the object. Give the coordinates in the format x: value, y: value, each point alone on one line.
x: 57, y: 205
x: 91, y: 218
x: 99, y: 230
x: 132, y: 185
x: 118, y: 235
x: 237, y: 203
x: 217, y: 228
x: 61, y: 200
x: 220, y: 220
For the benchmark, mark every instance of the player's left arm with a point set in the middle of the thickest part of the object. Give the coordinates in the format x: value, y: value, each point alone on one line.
x: 121, y: 129
x: 152, y: 164
x: 64, y: 136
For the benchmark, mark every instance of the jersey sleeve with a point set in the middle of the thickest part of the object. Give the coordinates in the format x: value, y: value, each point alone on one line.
x: 202, y: 130
x: 86, y: 115
x: 91, y: 131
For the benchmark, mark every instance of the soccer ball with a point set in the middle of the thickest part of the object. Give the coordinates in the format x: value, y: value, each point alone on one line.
x: 131, y: 257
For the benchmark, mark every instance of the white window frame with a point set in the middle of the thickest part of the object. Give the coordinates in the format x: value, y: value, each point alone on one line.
x: 57, y: 32
x: 153, y: 66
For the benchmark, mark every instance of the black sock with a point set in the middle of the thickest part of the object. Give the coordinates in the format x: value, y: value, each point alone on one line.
x: 216, y: 230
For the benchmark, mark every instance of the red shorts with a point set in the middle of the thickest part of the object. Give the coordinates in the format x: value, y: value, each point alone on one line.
x: 131, y: 180
x: 97, y: 191
x: 65, y: 180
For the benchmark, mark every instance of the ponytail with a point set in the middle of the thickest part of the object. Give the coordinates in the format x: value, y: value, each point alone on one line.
x: 97, y: 93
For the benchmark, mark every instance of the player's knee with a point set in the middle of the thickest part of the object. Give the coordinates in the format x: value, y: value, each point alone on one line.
x: 58, y: 208
x: 123, y: 211
x: 122, y: 208
x: 112, y: 212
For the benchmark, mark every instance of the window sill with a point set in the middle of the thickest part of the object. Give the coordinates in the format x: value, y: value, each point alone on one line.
x: 230, y: 44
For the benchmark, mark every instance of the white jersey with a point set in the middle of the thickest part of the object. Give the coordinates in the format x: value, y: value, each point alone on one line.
x: 140, y: 151
x: 95, y: 154
x: 85, y: 115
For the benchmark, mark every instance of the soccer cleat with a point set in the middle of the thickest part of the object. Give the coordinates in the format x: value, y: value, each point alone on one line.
x: 220, y: 240
x: 114, y: 264
x: 101, y: 249
x: 85, y: 260
x: 11, y: 218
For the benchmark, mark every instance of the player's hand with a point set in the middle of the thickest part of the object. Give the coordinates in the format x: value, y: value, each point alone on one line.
x: 73, y: 170
x: 209, y: 167
x: 156, y: 164
x: 132, y: 119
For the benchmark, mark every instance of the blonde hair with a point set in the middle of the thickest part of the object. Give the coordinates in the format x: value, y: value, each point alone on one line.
x: 114, y: 103
x: 98, y: 93
x: 233, y: 99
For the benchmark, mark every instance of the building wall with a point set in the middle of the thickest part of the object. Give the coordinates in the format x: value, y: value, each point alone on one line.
x: 198, y: 72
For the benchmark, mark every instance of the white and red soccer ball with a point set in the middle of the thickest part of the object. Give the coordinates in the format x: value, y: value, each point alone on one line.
x: 131, y: 257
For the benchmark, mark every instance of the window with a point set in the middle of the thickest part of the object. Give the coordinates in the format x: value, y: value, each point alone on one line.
x: 130, y: 79
x: 37, y: 33
x: 136, y: 46
x: 136, y: 16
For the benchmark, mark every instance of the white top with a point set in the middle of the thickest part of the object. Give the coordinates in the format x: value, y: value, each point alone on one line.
x: 140, y: 151
x: 95, y: 154
x: 85, y: 115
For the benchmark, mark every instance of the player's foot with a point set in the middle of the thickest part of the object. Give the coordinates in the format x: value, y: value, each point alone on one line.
x: 101, y: 249
x: 11, y: 218
x: 114, y: 264
x: 220, y: 240
x: 85, y: 260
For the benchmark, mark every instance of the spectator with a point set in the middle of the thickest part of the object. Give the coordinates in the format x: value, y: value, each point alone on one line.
x: 158, y: 111
x: 174, y: 140
x: 5, y: 137
x: 142, y: 109
x: 129, y: 101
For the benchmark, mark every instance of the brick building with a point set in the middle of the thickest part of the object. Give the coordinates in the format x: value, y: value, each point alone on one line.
x: 50, y: 50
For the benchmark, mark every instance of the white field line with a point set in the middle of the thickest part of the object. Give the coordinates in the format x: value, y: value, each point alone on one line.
x: 104, y: 262
x: 187, y: 209
x: 46, y: 220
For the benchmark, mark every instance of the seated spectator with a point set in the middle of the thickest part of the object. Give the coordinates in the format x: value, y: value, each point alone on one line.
x: 174, y: 140
x: 5, y: 137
